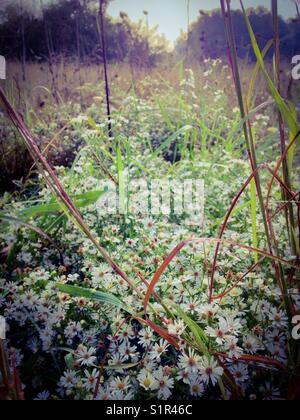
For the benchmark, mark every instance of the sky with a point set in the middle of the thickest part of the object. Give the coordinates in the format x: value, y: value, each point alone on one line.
x: 171, y: 15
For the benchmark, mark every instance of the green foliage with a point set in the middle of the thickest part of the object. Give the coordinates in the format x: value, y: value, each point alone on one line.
x: 55, y: 31
x: 169, y: 129
x: 207, y: 37
x: 81, y: 200
x: 104, y: 298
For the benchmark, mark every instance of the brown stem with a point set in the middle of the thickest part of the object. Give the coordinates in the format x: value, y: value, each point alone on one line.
x: 104, y: 55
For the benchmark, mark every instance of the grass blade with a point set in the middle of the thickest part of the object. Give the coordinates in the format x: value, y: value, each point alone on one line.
x: 174, y: 137
x: 121, y: 180
x: 80, y: 201
x: 198, y: 333
x: 93, y: 295
x: 282, y: 106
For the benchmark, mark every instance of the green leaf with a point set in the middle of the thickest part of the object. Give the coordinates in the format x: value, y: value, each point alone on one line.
x: 121, y: 179
x: 80, y: 201
x: 199, y: 335
x: 288, y: 116
x: 250, y: 96
x: 276, y: 95
x: 21, y: 223
x: 69, y: 361
x: 94, y: 295
x: 165, y: 115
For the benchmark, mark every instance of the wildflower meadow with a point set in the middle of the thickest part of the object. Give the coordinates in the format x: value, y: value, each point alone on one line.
x: 149, y: 204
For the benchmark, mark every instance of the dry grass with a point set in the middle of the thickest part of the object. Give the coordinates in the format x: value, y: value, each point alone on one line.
x: 51, y: 96
x: 68, y: 81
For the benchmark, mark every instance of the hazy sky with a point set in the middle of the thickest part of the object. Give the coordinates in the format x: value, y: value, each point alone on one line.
x: 171, y: 15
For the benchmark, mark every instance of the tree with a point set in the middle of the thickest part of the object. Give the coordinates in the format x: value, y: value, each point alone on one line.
x: 207, y: 34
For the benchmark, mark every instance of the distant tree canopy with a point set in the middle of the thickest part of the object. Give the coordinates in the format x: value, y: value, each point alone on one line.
x: 206, y: 38
x: 71, y: 28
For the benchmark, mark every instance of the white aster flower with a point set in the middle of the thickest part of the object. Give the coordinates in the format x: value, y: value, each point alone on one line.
x: 147, y: 380
x: 196, y: 387
x: 69, y: 379
x: 85, y: 356
x: 210, y: 371
x: 165, y: 384
x: 190, y: 362
x: 159, y: 350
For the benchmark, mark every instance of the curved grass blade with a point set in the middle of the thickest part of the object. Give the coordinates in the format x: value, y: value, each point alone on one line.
x: 93, y: 295
x: 198, y: 333
x: 121, y: 179
x: 40, y: 232
x: 250, y: 96
x: 80, y: 201
x: 283, y: 107
x: 170, y: 140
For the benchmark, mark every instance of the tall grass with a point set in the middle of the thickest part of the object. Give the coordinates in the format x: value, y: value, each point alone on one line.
x: 51, y: 57
x: 248, y: 132
x: 289, y: 213
x: 195, y: 337
x: 23, y: 58
x: 290, y: 120
x: 199, y: 340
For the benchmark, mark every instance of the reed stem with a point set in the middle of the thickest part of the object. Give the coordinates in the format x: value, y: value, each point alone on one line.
x: 246, y: 126
x: 104, y: 56
x: 289, y: 213
x: 297, y: 10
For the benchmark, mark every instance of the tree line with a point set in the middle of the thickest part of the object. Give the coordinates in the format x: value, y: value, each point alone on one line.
x: 71, y: 28
x: 206, y: 37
